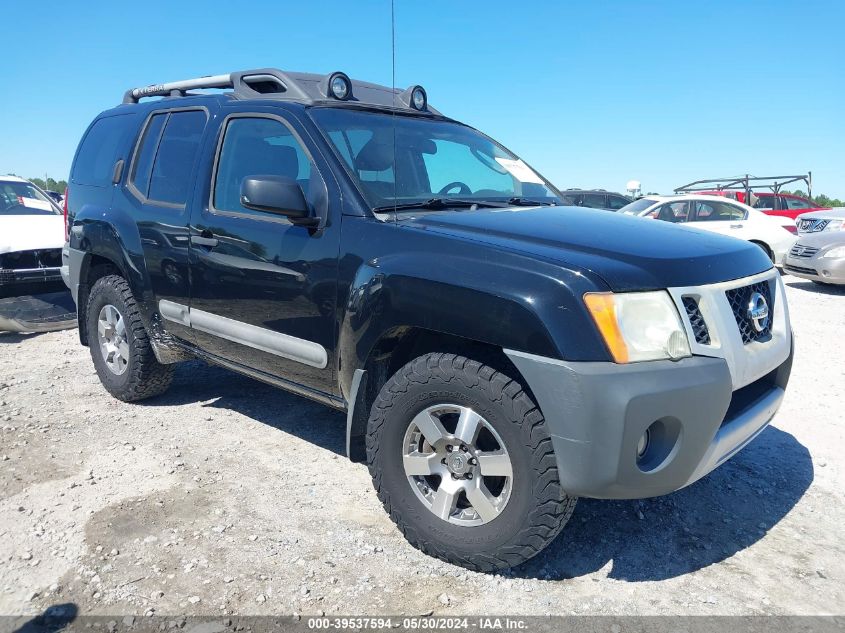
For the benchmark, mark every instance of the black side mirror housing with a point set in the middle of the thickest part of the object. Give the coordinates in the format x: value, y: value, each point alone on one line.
x: 277, y: 194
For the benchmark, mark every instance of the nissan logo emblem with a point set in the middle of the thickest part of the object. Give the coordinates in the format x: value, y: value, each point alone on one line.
x: 758, y: 311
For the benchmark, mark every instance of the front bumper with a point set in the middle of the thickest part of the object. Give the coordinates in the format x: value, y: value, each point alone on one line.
x: 825, y: 269
x: 598, y: 412
x: 13, y: 276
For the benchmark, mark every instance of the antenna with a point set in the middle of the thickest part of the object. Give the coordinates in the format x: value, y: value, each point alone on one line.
x: 393, y: 91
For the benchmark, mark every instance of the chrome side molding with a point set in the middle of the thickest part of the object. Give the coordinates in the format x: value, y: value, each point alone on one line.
x: 284, y: 345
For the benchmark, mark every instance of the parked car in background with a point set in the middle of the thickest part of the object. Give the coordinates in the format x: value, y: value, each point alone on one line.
x: 719, y: 215
x: 32, y: 234
x: 819, y: 257
x: 817, y: 221
x: 778, y: 204
x: 595, y: 199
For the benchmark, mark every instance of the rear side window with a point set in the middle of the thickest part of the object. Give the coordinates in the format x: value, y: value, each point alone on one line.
x: 616, y: 202
x: 796, y: 203
x: 96, y: 157
x: 165, y: 159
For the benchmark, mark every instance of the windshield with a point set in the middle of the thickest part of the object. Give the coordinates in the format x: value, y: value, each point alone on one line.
x: 22, y: 198
x: 432, y: 159
x: 637, y: 206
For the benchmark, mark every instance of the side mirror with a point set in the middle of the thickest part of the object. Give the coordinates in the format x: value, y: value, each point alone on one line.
x: 276, y: 194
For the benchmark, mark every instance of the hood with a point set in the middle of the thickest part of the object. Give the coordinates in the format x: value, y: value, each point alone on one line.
x: 629, y: 253
x: 31, y: 232
x: 822, y: 239
x: 837, y: 213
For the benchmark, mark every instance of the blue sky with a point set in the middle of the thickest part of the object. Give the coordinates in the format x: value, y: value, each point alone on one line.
x: 591, y: 93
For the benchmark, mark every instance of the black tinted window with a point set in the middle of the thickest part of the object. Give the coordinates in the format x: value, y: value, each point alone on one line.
x: 95, y: 161
x: 594, y: 200
x: 143, y: 166
x: 616, y: 202
x: 177, y: 152
x: 257, y: 147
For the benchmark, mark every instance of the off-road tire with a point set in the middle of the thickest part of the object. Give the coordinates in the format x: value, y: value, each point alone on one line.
x: 144, y: 377
x: 537, y: 509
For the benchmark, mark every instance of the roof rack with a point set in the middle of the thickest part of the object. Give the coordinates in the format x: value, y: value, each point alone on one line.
x: 272, y: 83
x: 747, y: 183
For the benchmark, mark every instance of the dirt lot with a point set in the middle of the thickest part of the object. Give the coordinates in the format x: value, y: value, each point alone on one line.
x: 228, y: 496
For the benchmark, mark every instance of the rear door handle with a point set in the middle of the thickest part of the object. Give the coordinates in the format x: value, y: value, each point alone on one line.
x: 736, y: 226
x: 204, y: 240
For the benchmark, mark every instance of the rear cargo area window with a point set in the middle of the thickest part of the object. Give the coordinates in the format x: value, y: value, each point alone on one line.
x: 95, y: 161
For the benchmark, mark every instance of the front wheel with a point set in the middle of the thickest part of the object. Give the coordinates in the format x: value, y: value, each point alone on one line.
x: 462, y: 461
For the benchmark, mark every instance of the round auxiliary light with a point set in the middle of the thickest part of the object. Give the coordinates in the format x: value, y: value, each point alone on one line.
x: 418, y: 98
x: 339, y: 86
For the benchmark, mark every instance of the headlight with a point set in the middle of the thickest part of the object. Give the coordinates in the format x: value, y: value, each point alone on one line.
x: 834, y: 225
x: 836, y: 252
x: 639, y: 326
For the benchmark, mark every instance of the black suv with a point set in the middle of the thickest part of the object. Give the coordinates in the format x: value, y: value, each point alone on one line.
x: 497, y: 354
x: 595, y: 199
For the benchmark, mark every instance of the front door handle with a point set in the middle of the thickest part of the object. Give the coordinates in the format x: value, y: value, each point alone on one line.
x: 206, y: 239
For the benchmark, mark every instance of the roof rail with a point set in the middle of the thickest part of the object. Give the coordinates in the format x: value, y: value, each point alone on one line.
x: 245, y: 83
x: 272, y: 83
x: 747, y: 183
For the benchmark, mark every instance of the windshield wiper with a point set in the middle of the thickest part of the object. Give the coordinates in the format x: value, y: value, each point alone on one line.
x: 437, y: 204
x: 528, y: 202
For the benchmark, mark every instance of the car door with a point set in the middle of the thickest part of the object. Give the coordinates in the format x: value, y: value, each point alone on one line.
x: 720, y: 217
x: 263, y: 289
x: 160, y: 180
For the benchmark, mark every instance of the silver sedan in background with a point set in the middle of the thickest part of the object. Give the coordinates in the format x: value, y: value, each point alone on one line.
x: 823, y: 220
x: 818, y: 256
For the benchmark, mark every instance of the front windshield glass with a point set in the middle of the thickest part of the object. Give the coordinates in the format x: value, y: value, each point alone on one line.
x: 637, y: 206
x: 430, y: 159
x: 22, y: 198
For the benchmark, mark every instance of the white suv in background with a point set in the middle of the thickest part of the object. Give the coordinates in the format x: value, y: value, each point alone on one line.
x: 720, y: 215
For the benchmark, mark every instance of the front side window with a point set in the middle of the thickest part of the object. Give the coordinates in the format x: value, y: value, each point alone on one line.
x: 398, y: 159
x: 22, y: 198
x: 717, y: 212
x: 764, y: 202
x: 257, y: 147
x: 672, y: 212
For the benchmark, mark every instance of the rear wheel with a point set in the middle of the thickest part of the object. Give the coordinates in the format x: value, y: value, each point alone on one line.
x: 119, y: 345
x: 462, y: 461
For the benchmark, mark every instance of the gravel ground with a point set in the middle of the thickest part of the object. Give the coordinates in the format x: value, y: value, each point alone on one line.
x: 226, y: 496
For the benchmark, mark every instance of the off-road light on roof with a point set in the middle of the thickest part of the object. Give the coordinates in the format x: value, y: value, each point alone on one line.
x: 418, y: 98
x: 340, y: 87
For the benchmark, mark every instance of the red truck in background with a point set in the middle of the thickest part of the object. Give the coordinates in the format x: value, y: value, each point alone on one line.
x: 771, y: 202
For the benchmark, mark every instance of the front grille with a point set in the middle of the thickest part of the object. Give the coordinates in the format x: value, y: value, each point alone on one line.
x: 799, y: 250
x: 801, y: 269
x: 739, y: 300
x: 696, y: 320
x: 812, y: 225
x: 27, y: 260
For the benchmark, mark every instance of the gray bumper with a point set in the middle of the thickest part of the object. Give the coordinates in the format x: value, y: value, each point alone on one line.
x: 71, y: 266
x: 597, y: 414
